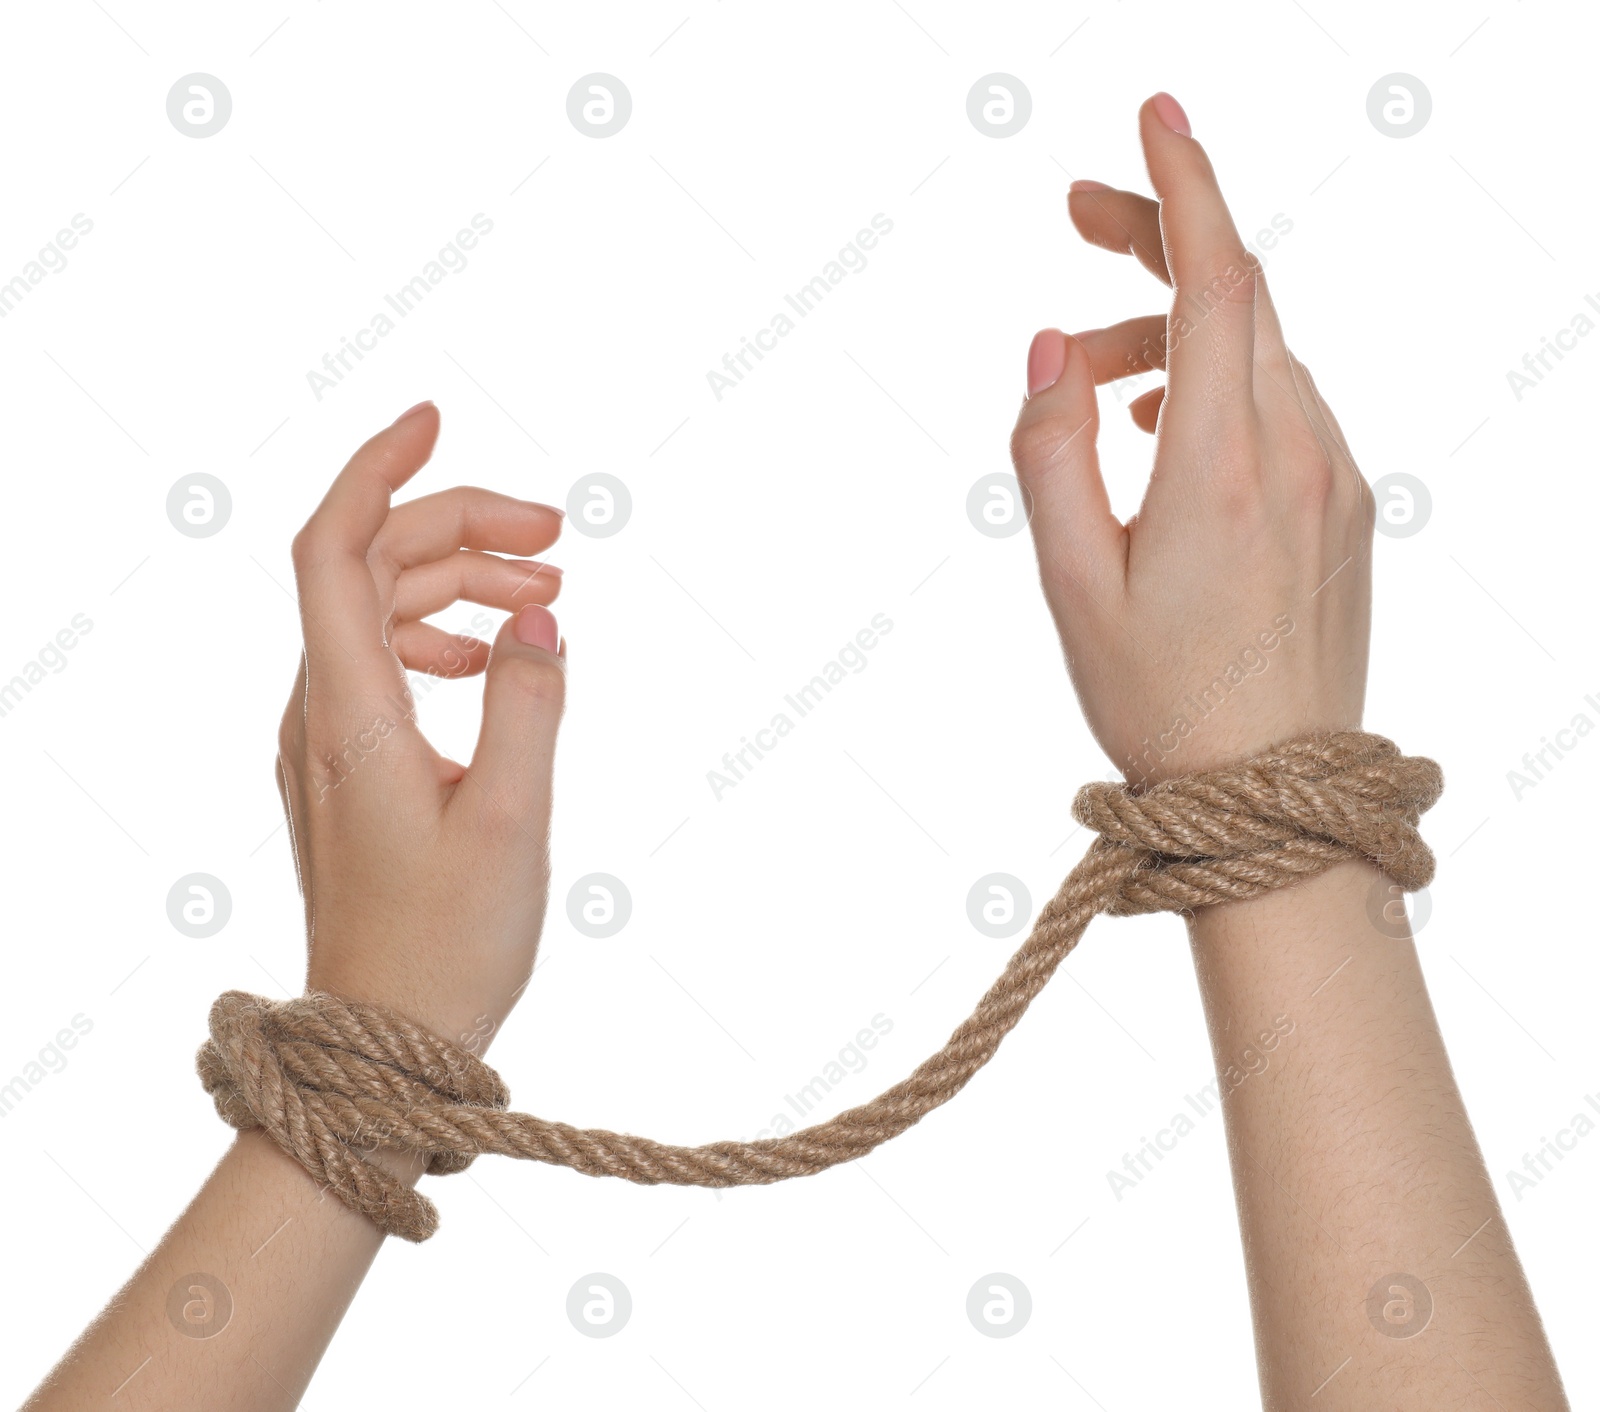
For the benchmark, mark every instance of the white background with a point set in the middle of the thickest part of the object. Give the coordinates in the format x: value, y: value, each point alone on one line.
x: 768, y: 528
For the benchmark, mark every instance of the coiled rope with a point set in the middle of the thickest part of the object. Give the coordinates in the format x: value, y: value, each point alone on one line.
x: 327, y: 1078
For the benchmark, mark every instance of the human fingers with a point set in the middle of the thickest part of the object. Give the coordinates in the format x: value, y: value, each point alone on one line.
x: 422, y: 647
x: 1145, y: 409
x: 463, y: 517
x: 507, y: 789
x: 1080, y: 543
x: 1120, y: 221
x: 341, y: 616
x: 1127, y: 349
x: 475, y: 577
x: 1211, y: 338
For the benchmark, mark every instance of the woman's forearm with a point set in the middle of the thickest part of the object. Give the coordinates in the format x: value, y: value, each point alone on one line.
x: 235, y: 1307
x: 1377, y: 1255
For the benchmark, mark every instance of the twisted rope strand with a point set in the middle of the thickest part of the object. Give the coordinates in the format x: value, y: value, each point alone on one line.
x: 329, y: 1079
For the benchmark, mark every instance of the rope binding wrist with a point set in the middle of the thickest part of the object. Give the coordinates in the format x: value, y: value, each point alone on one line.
x: 329, y: 1079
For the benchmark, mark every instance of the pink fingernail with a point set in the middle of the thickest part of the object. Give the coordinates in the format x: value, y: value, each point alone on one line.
x: 536, y: 627
x: 1089, y: 186
x: 1047, y: 360
x: 410, y: 413
x: 1170, y: 111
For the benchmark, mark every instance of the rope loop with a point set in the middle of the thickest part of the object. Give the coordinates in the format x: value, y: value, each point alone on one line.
x: 331, y: 1080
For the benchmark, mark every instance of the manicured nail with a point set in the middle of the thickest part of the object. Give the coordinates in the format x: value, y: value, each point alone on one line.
x: 535, y: 567
x: 1047, y: 360
x: 536, y: 627
x: 410, y: 413
x: 1170, y: 111
x: 1088, y: 186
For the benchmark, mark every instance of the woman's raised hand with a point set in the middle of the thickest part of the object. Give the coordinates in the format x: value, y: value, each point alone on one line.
x: 1232, y: 611
x: 424, y: 880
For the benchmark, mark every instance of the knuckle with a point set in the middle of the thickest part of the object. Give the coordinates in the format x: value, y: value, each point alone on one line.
x: 309, y: 547
x: 1039, y: 444
x: 1366, y: 504
x: 289, y: 740
x: 542, y: 681
x: 1318, y: 475
x: 1228, y: 276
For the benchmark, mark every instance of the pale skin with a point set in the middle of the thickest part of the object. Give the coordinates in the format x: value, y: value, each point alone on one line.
x: 1352, y: 1154
x: 425, y: 880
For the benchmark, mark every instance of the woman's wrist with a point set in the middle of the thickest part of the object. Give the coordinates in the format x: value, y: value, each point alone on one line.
x: 1297, y: 919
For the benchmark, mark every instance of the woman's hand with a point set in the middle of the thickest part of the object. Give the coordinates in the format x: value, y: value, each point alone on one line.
x: 424, y: 880
x: 1232, y: 611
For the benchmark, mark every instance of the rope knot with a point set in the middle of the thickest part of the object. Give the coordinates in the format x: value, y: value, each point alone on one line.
x: 331, y: 1081
x: 1283, y: 816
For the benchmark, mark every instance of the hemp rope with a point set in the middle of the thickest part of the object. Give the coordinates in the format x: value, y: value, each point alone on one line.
x: 326, y: 1077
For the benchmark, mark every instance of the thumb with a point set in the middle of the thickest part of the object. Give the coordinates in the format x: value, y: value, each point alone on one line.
x: 1053, y: 448
x: 525, y: 688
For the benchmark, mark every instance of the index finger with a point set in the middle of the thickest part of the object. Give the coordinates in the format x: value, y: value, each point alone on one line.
x: 341, y: 616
